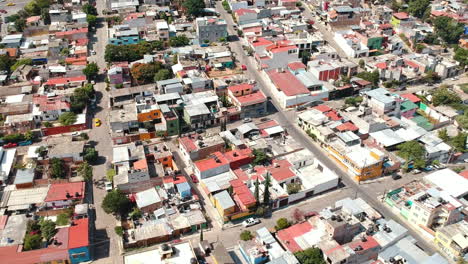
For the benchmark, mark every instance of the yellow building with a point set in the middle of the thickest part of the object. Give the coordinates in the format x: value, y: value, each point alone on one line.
x: 223, y: 202
x: 362, y: 162
x: 397, y: 18
x: 453, y: 239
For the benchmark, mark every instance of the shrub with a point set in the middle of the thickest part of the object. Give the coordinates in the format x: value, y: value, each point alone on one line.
x: 282, y: 223
x: 246, y: 235
x: 119, y: 230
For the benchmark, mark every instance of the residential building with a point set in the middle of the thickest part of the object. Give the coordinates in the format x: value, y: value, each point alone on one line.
x: 351, y: 44
x: 211, y: 166
x: 123, y: 35
x: 250, y: 101
x: 339, y: 16
x: 453, y: 239
x: 210, y: 29
x: 162, y: 29
x: 383, y: 102
x: 288, y: 89
x: 195, y: 147
x: 49, y: 108
x: 201, y: 109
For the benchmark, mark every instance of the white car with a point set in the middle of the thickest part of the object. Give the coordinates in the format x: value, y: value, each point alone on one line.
x: 250, y: 222
x: 75, y: 134
x: 108, y: 186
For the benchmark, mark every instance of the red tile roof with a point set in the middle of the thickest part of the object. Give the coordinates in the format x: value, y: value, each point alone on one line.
x: 323, y: 108
x: 412, y: 64
x: 287, y: 83
x: 58, y: 191
x: 280, y: 170
x: 333, y: 115
x: 385, y: 26
x: 362, y: 82
x: 178, y: 179
x: 61, y: 81
x: 76, y: 61
x: 78, y: 235
x: 242, y: 194
x: 140, y: 165
x: 368, y: 244
x: 401, y: 15
x: 243, y: 11
x: 189, y: 142
x: 211, y: 163
x: 71, y: 32
x: 296, y: 65
x: 241, y: 175
x: 381, y: 65
x: 348, y: 126
x: 413, y: 98
x: 267, y: 124
x: 261, y: 42
x: 464, y: 174
x: 287, y: 236
x: 238, y: 154
x: 50, y: 103
x: 240, y: 87
x: 250, y: 99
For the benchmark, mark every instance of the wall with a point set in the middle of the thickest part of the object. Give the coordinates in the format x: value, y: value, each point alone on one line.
x: 48, y: 131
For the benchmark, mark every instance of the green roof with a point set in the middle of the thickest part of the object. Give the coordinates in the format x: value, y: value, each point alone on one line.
x: 407, y: 106
x: 423, y: 122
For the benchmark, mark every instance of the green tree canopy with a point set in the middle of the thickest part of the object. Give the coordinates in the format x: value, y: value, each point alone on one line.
x: 282, y: 223
x: 246, y: 235
x: 194, y: 7
x: 116, y: 202
x: 179, y: 41
x: 86, y: 171
x: 310, y: 256
x: 372, y: 77
x: 57, y: 168
x: 448, y: 29
x: 89, y: 9
x: 145, y: 73
x: 461, y: 55
x: 130, y: 52
x: 48, y: 229
x: 6, y: 63
x: 90, y: 155
x: 91, y: 70
x: 412, y: 151
x: 162, y: 74
x: 418, y: 8
x: 92, y: 20
x: 444, y: 96
x: 67, y: 118
x: 260, y: 157
x: 21, y: 62
x: 32, y: 242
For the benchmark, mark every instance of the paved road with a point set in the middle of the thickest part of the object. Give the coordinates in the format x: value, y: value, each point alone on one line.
x: 106, y: 249
x: 285, y: 120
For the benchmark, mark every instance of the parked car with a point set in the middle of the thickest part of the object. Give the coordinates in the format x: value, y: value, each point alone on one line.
x: 250, y: 222
x: 11, y: 4
x: 396, y: 176
x: 310, y: 214
x: 10, y: 145
x: 244, y: 67
x: 3, y: 11
x: 108, y: 186
x: 416, y: 171
x: 97, y: 122
x: 25, y: 143
x: 247, y: 120
x: 193, y: 178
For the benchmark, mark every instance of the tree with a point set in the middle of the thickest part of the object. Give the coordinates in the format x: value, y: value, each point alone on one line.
x: 13, y: 138
x: 41, y: 151
x: 260, y: 157
x: 194, y: 7
x: 282, y: 223
x: 130, y: 52
x: 412, y: 151
x: 418, y: 8
x: 67, y: 118
x: 90, y: 155
x: 175, y: 59
x: 92, y: 20
x: 84, y: 136
x: 305, y: 57
x: 119, y: 230
x: 444, y: 96
x: 110, y: 174
x: 354, y: 101
x: 47, y: 229
x: 6, y: 63
x: 362, y: 63
x: 163, y: 74
x: 179, y: 41
x: 310, y: 256
x: 63, y: 219
x: 65, y: 52
x: 266, y: 192
x: 57, y: 168
x: 443, y: 135
x: 91, y: 70
x: 116, y: 202
x: 21, y: 62
x: 32, y: 242
x: 47, y: 124
x: 431, y: 77
x: 81, y: 97
x: 458, y: 142
x: 260, y: 212
x: 145, y: 72
x: 136, y: 213
x: 257, y: 192
x: 246, y: 235
x: 45, y: 16
x: 157, y: 44
x: 448, y: 29
x: 298, y: 215
x: 372, y: 77
x: 89, y: 9
x: 293, y: 187
x: 86, y: 171
x: 461, y: 55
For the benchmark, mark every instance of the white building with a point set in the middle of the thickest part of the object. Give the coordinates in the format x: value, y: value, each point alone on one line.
x: 350, y: 44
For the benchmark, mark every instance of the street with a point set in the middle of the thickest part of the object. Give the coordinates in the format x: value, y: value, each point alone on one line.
x: 368, y: 194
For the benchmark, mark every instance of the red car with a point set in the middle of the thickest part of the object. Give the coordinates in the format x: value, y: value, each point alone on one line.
x: 10, y: 145
x: 194, y: 178
x: 3, y: 11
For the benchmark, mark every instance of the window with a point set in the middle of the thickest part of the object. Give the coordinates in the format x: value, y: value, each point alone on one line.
x: 79, y: 255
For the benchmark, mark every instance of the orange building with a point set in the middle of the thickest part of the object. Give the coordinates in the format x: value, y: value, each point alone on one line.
x: 149, y: 114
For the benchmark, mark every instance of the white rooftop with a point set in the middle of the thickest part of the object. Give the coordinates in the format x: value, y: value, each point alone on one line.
x: 147, y: 197
x: 449, y: 181
x: 183, y: 253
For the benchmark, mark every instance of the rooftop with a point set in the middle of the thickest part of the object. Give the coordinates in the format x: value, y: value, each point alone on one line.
x: 79, y: 233
x: 147, y: 197
x: 286, y: 82
x: 449, y: 181
x: 65, y: 191
x: 183, y: 253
